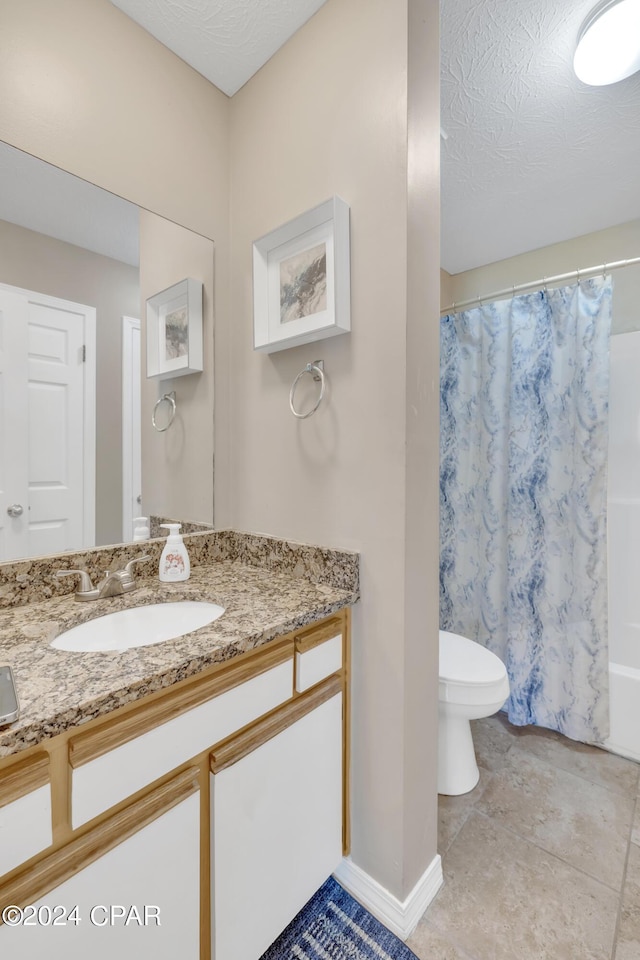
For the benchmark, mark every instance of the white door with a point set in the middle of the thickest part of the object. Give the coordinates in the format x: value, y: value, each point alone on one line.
x: 131, y: 426
x: 13, y: 424
x: 48, y: 397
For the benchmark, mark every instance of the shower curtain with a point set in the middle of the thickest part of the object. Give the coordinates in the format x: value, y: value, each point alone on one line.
x: 523, y: 461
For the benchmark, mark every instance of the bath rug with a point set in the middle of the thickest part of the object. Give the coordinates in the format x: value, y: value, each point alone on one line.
x: 333, y: 926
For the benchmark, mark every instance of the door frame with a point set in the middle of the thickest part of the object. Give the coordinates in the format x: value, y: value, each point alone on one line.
x: 89, y: 400
x: 129, y: 325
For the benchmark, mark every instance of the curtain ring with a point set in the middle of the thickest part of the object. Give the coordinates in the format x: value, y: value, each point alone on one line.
x: 170, y: 398
x: 316, y: 369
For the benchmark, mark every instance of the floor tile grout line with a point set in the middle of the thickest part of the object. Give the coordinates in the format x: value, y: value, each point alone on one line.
x: 616, y: 931
x: 523, y: 750
x: 446, y: 935
x: 572, y: 773
x: 596, y: 783
x: 539, y: 844
x: 504, y: 757
x: 471, y: 807
x: 549, y: 853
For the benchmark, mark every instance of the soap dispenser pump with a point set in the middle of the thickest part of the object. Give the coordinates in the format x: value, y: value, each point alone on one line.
x: 141, y: 529
x: 174, y: 562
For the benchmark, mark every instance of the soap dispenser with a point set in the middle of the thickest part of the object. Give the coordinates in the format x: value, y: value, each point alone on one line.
x: 174, y: 562
x: 141, y: 528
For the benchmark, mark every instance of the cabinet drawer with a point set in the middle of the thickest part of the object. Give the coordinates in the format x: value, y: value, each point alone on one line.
x: 25, y: 811
x: 318, y: 654
x: 106, y: 780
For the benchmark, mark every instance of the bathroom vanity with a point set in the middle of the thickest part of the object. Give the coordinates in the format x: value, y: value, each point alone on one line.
x: 183, y: 799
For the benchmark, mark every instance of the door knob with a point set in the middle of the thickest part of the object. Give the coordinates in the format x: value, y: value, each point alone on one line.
x: 15, y: 510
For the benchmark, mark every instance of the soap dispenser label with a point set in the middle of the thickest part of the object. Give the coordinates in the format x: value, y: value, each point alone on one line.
x: 174, y: 565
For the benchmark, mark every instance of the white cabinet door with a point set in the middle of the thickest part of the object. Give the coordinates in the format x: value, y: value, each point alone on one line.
x: 25, y: 828
x: 276, y: 832
x: 141, y: 899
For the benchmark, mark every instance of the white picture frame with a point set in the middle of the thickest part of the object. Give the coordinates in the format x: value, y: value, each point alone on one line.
x: 301, y: 279
x: 174, y: 331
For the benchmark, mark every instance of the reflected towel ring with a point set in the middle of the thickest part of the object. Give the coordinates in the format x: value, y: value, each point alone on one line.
x: 170, y: 398
x: 317, y: 370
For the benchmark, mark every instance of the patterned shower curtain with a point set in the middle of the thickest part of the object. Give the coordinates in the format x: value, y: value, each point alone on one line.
x: 523, y: 466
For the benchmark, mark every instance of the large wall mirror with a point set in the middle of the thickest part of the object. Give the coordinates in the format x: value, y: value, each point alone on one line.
x: 76, y: 266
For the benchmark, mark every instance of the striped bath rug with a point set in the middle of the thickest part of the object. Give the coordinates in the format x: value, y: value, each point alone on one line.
x: 333, y: 926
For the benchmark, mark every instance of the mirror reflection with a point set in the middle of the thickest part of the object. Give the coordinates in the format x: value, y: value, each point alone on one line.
x: 71, y: 371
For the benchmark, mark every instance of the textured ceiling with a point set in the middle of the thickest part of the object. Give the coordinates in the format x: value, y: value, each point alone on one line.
x: 226, y: 41
x: 533, y: 156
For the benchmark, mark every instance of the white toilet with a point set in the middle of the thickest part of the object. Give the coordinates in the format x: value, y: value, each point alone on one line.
x: 473, y: 684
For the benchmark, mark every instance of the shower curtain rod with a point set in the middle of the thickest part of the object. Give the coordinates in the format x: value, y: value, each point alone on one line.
x: 539, y: 284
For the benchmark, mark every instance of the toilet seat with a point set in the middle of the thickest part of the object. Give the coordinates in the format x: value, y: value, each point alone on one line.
x: 469, y: 673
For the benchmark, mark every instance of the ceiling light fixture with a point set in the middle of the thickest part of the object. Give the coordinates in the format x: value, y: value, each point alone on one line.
x: 609, y: 43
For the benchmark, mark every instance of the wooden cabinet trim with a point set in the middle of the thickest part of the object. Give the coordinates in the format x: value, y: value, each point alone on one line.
x: 23, y: 777
x: 307, y: 639
x: 49, y: 872
x: 116, y: 730
x: 346, y: 734
x: 236, y: 747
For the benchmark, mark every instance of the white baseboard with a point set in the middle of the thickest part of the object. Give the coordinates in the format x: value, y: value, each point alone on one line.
x: 622, y: 750
x: 401, y: 917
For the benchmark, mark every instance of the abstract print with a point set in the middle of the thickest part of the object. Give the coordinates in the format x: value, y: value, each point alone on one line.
x: 523, y: 467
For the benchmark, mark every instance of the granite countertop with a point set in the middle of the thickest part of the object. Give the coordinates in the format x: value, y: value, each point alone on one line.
x: 59, y: 689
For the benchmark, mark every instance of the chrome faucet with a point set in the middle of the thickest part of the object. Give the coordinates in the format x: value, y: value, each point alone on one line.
x: 113, y: 585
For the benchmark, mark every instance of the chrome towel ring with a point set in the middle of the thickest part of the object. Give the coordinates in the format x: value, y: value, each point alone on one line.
x: 169, y: 398
x: 316, y: 369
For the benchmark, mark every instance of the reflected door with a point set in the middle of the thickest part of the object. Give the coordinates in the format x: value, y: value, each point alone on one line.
x: 14, y: 417
x: 47, y: 431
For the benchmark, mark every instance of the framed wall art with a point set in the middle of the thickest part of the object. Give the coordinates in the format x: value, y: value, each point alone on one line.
x: 174, y: 331
x: 301, y: 279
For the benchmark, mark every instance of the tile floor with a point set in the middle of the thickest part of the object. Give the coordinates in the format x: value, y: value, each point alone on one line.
x: 542, y: 860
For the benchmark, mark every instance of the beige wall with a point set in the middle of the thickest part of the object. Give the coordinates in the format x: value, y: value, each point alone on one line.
x: 422, y: 405
x: 348, y: 106
x: 87, y: 89
x: 446, y: 288
x: 177, y: 478
x: 35, y: 262
x: 604, y: 246
x: 308, y: 125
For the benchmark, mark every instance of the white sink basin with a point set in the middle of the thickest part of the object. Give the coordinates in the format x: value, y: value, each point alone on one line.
x: 139, y: 626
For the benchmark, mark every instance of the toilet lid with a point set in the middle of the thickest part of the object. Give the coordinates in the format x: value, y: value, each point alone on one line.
x: 465, y: 661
